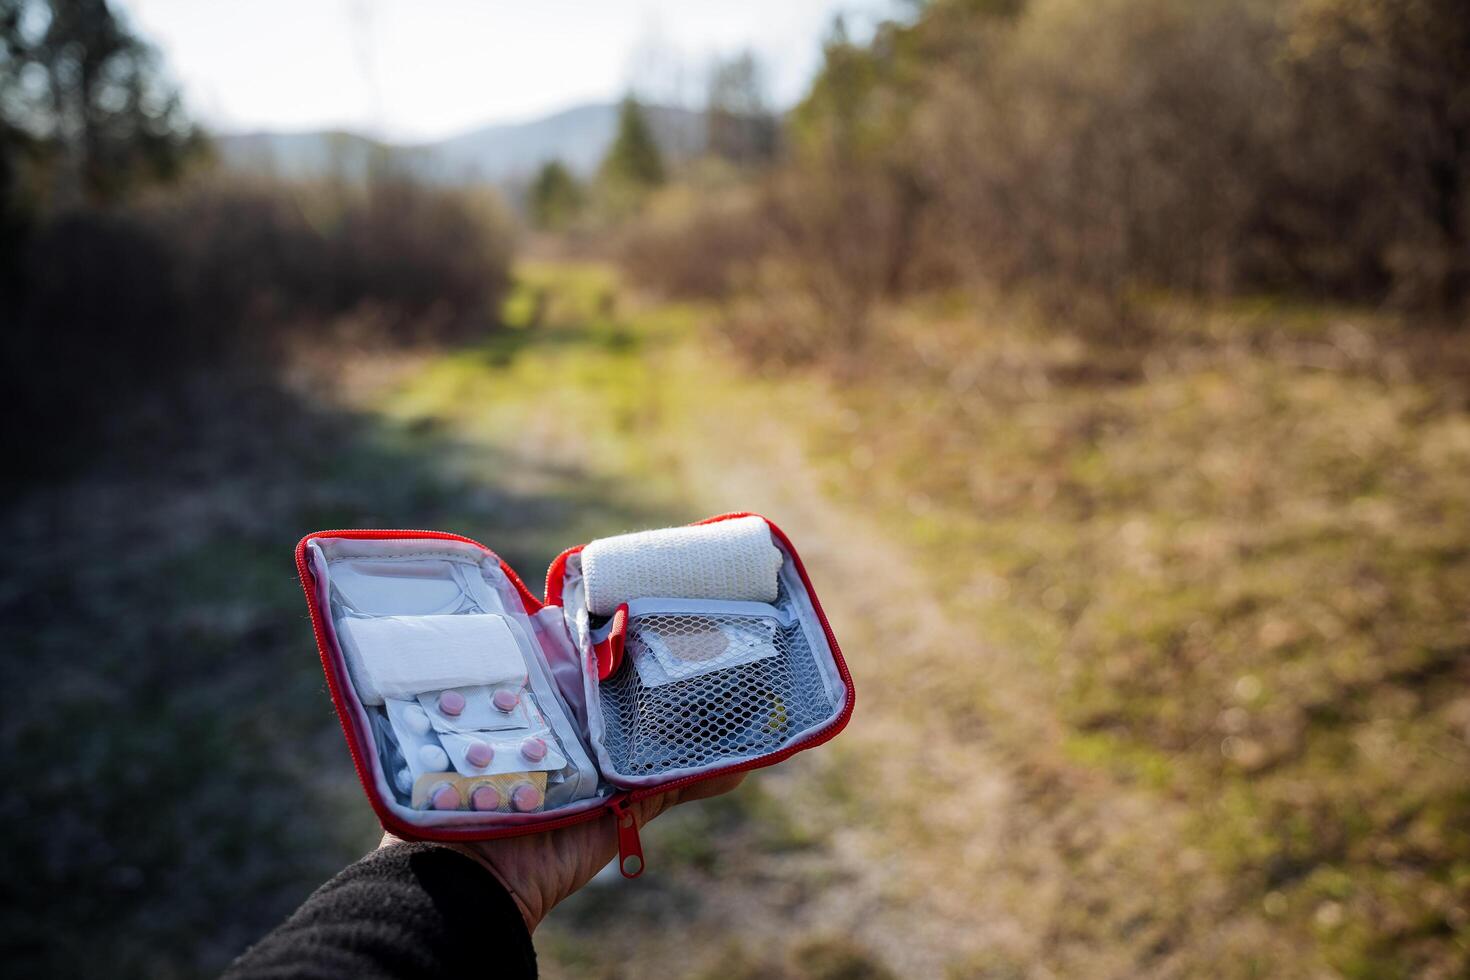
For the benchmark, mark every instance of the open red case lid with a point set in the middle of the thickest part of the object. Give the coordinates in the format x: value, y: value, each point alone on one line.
x: 804, y: 687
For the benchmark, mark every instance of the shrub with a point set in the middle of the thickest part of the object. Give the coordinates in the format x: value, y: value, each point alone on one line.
x: 828, y: 250
x: 112, y: 304
x: 1108, y: 146
x: 1095, y: 153
x: 696, y: 245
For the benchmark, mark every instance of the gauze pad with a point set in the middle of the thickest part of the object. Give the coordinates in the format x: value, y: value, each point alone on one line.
x: 402, y: 656
x: 676, y: 648
x: 733, y: 559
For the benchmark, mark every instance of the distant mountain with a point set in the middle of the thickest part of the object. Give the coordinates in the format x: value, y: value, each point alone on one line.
x: 498, y: 153
x: 310, y: 154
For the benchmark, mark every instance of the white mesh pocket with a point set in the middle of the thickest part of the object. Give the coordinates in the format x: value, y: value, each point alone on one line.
x: 695, y: 691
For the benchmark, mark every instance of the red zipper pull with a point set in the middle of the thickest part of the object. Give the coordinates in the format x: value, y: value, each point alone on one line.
x: 610, y: 651
x: 630, y: 848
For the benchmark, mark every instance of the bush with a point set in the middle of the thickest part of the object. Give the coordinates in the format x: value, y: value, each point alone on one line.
x: 1209, y: 147
x: 694, y: 245
x: 1096, y: 153
x: 1108, y: 146
x: 825, y: 250
x: 114, y: 304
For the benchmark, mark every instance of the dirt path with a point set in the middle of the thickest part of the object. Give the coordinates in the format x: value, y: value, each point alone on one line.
x: 954, y: 854
x: 914, y: 842
x: 946, y: 832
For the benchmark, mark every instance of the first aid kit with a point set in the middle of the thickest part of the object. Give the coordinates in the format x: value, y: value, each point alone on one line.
x: 654, y: 660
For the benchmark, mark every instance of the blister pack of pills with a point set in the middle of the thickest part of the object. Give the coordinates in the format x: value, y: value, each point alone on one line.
x: 478, y: 731
x: 479, y: 709
x: 509, y: 793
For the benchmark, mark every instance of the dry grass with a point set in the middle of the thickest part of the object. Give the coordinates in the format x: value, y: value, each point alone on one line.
x: 1167, y: 643
x: 1170, y: 649
x: 1236, y: 559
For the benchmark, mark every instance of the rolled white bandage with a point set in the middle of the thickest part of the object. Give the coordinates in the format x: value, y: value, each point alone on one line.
x: 402, y: 656
x: 733, y: 559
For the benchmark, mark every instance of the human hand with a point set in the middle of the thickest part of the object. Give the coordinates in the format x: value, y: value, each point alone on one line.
x: 540, y: 870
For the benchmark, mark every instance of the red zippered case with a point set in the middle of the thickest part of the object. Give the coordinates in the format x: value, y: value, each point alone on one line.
x: 574, y: 656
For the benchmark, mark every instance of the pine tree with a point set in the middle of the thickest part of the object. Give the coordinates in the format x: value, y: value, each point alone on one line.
x: 739, y: 125
x: 77, y: 82
x: 633, y: 166
x: 556, y: 197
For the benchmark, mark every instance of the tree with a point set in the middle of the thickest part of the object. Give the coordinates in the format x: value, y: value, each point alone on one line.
x: 837, y: 120
x: 739, y: 125
x: 556, y: 197
x: 75, y: 82
x: 1386, y: 133
x: 633, y: 166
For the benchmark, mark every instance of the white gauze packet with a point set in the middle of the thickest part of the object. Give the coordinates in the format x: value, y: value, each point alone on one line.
x: 402, y: 656
x: 697, y: 647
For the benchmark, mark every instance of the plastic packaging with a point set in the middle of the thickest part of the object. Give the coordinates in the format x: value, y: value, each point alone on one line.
x: 415, y: 740
x: 511, y: 792
x: 507, y: 752
x: 673, y: 648
x: 478, y: 712
x: 401, y: 656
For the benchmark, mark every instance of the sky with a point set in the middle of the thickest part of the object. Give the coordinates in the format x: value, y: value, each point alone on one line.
x: 411, y: 70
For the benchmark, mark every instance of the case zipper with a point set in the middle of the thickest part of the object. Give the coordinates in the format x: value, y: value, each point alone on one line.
x: 630, y: 846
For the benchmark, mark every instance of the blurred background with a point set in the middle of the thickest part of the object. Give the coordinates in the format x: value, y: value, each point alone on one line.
x: 1108, y: 359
